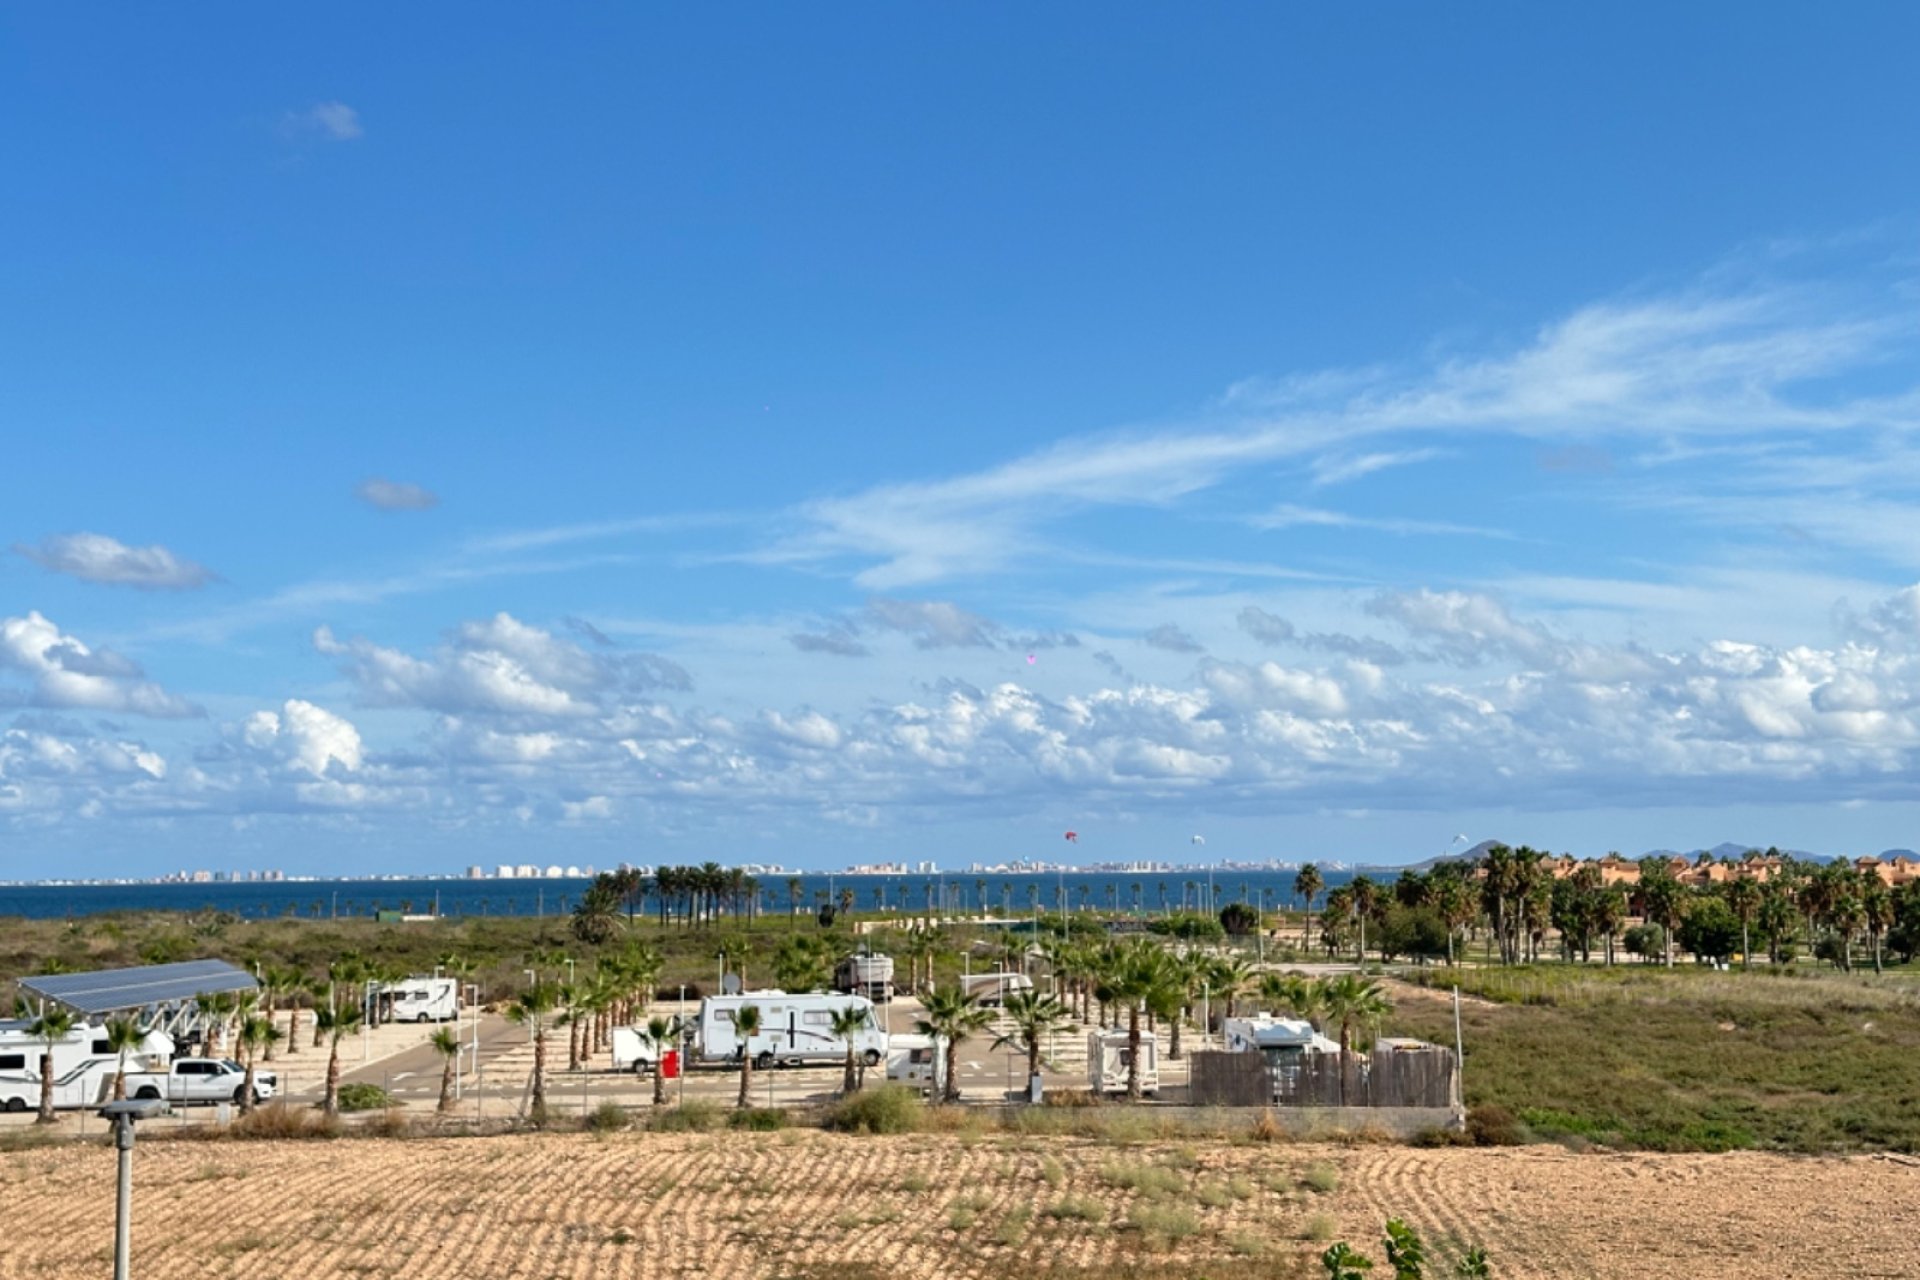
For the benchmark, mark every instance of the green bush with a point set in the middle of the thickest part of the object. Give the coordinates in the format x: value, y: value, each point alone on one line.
x: 364, y: 1097
x: 1491, y: 1125
x: 688, y: 1117
x: 608, y: 1117
x: 758, y: 1119
x: 889, y: 1109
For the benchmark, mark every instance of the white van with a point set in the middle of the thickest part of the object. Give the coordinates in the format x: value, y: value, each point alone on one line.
x: 794, y: 1028
x: 1107, y: 1057
x: 994, y: 988
x: 420, y: 999
x: 918, y: 1062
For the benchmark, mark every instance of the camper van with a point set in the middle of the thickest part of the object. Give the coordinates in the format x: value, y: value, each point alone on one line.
x: 918, y: 1062
x: 633, y: 1051
x: 419, y: 1000
x: 83, y: 1065
x: 994, y: 988
x: 869, y: 975
x: 1286, y: 1043
x: 794, y: 1028
x: 1107, y: 1057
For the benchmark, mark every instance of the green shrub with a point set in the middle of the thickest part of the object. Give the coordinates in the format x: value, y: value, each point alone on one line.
x: 608, y: 1117
x: 757, y: 1119
x: 1076, y: 1209
x: 889, y: 1109
x: 364, y: 1097
x: 1162, y: 1225
x: 1322, y: 1179
x: 1151, y: 1182
x: 689, y: 1117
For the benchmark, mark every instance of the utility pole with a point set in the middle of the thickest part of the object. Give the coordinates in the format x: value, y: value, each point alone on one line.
x: 121, y: 1115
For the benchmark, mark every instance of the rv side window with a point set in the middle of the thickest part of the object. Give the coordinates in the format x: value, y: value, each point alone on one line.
x: 13, y: 1062
x: 723, y: 1015
x: 101, y: 1046
x: 815, y: 1018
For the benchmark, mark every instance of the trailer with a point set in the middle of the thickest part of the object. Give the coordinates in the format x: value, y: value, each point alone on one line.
x: 1286, y: 1043
x: 918, y: 1062
x: 1108, y: 1056
x: 994, y: 988
x: 83, y: 1064
x: 418, y: 1000
x: 794, y: 1029
x: 867, y: 975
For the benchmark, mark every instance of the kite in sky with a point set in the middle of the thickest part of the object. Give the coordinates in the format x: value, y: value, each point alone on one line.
x: 1074, y: 836
x: 1199, y: 840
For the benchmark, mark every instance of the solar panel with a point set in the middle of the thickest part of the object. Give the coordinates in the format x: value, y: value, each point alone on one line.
x: 112, y: 990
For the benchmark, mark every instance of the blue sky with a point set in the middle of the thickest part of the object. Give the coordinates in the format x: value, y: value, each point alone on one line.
x: 828, y: 436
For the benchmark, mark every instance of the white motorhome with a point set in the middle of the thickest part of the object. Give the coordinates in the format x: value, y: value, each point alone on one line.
x: 869, y: 975
x: 1108, y: 1055
x: 419, y: 999
x: 1285, y: 1042
x: 918, y: 1062
x: 994, y: 988
x: 83, y: 1064
x: 794, y: 1028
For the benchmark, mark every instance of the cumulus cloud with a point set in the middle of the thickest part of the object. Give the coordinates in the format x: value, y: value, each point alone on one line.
x: 328, y: 121
x: 1171, y: 638
x: 63, y: 672
x: 394, y: 495
x: 94, y: 557
x: 502, y: 666
x: 307, y: 737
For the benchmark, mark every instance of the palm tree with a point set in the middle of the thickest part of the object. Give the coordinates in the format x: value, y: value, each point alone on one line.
x: 123, y: 1036
x: 447, y: 1041
x: 1743, y: 895
x: 1035, y: 1016
x: 257, y: 1035
x: 336, y: 1024
x: 532, y: 1007
x: 1665, y: 900
x: 794, y: 886
x: 951, y: 1014
x: 1139, y: 976
x: 50, y: 1028
x: 1351, y: 998
x: 660, y: 1035
x: 746, y: 1025
x: 1366, y: 897
x: 1307, y: 884
x: 1876, y: 907
x: 846, y: 1024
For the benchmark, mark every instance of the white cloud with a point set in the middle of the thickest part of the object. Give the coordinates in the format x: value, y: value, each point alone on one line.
x: 94, y: 557
x: 934, y: 624
x: 1265, y: 627
x: 310, y: 738
x: 65, y: 673
x: 394, y: 495
x: 1287, y: 516
x: 1338, y: 469
x: 329, y: 121
x: 502, y: 666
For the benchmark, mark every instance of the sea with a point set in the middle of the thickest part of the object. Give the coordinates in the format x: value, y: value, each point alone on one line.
x: 1184, y: 888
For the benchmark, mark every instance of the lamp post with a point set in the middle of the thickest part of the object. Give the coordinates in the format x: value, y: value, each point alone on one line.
x: 533, y: 980
x: 681, y: 1043
x: 121, y: 1116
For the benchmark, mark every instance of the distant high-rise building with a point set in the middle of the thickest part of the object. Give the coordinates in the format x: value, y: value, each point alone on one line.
x: 475, y: 873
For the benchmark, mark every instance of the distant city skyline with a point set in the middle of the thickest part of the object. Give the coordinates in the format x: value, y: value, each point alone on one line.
x: 892, y: 438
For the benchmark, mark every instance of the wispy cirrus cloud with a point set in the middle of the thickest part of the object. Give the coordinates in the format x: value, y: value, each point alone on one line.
x: 1289, y: 516
x: 327, y: 121
x: 1338, y: 469
x: 395, y: 495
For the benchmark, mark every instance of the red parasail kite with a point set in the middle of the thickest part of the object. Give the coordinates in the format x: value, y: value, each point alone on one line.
x: 1074, y: 836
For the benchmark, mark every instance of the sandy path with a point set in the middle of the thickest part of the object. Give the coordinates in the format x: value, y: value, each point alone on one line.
x: 925, y: 1206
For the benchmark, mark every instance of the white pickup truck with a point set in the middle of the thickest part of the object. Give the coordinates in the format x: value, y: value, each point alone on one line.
x: 201, y: 1080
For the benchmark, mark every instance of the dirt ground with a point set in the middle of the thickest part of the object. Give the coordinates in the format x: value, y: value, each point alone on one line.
x: 797, y: 1204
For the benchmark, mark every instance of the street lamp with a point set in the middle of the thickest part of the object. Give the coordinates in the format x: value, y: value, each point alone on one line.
x: 121, y: 1116
x: 533, y: 980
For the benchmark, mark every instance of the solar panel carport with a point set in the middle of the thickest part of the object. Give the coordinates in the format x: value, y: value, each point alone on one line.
x: 165, y: 992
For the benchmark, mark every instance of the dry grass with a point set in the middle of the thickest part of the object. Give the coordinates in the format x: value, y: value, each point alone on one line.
x: 926, y: 1206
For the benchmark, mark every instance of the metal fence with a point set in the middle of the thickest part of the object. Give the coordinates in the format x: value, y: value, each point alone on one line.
x: 1401, y: 1077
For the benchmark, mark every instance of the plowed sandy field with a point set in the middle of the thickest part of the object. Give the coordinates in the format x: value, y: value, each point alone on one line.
x: 805, y: 1204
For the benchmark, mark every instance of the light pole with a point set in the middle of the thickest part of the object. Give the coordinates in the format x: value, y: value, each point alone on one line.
x: 121, y: 1116
x: 681, y: 1043
x: 533, y: 980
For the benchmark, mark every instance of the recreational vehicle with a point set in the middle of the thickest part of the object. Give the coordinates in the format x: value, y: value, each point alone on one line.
x: 994, y: 988
x: 918, y: 1062
x: 794, y: 1028
x: 419, y: 1000
x: 1285, y: 1042
x: 1107, y: 1058
x: 635, y: 1052
x: 83, y: 1064
x: 869, y: 975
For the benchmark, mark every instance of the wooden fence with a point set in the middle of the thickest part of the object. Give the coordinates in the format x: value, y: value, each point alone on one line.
x: 1384, y: 1078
